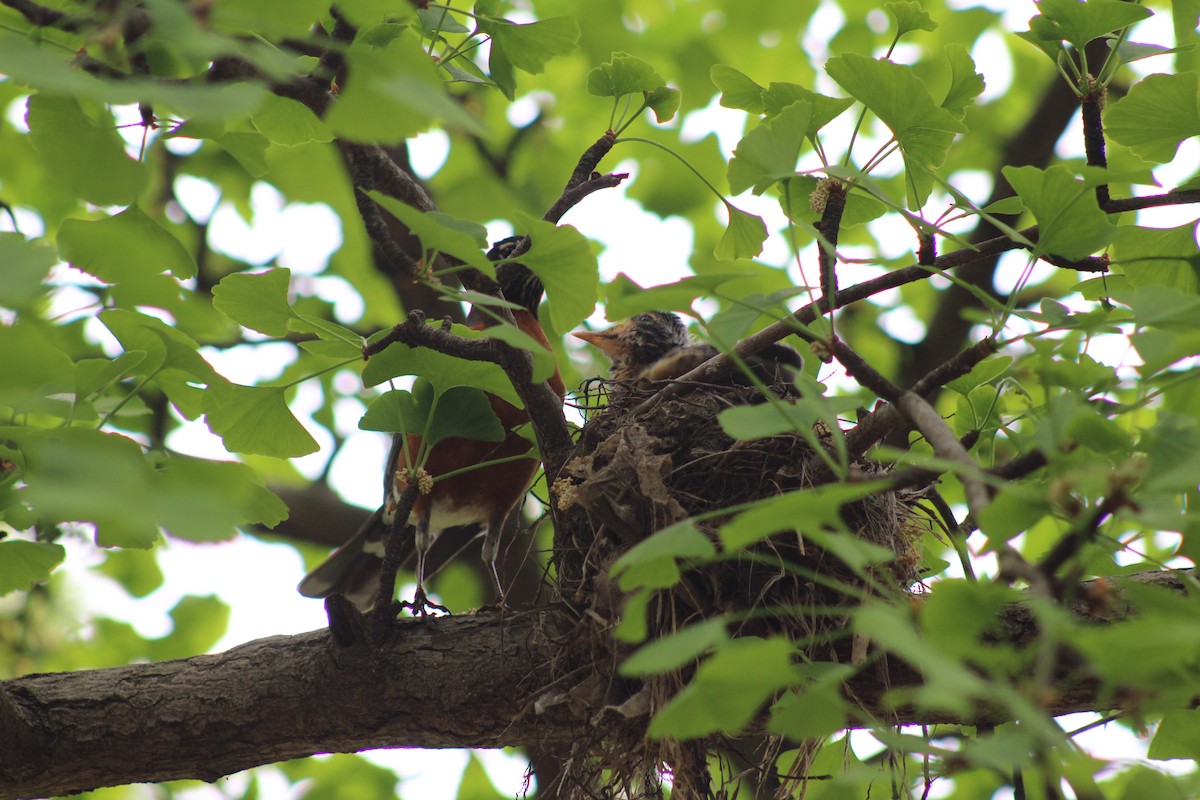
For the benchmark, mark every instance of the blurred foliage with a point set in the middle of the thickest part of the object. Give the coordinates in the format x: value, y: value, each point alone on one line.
x: 121, y: 291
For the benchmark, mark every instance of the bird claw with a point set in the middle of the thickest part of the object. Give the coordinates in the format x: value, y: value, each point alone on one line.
x: 421, y: 605
x: 499, y: 606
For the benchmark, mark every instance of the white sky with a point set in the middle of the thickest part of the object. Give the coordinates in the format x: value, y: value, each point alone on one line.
x: 257, y: 579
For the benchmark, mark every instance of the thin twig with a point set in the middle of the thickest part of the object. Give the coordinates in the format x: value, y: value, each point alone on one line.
x: 573, y: 194
x: 393, y: 553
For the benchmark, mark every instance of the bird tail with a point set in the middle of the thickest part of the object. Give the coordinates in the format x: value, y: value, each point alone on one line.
x: 354, y: 568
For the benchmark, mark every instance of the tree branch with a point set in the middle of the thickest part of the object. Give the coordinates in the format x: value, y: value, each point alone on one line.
x: 44, y: 16
x: 453, y: 682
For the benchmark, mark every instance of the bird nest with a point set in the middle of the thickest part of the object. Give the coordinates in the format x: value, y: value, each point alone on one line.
x: 640, y: 467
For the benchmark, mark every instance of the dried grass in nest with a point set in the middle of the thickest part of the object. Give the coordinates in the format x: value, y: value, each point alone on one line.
x: 637, y: 472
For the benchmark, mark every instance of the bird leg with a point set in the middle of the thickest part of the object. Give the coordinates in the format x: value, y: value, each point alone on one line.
x: 489, y: 552
x: 421, y: 605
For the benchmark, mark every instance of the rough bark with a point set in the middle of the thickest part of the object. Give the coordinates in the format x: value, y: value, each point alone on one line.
x: 445, y: 682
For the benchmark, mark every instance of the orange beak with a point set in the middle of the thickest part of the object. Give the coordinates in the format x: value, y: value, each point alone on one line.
x: 609, y: 340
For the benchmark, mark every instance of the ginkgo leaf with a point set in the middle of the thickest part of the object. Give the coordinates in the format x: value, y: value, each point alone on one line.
x: 768, y: 153
x: 563, y: 260
x: 623, y: 74
x: 128, y: 246
x: 1159, y: 112
x: 78, y: 142
x: 1070, y: 222
x: 255, y: 420
x: 893, y: 92
x: 743, y: 237
x: 257, y: 300
x: 23, y: 564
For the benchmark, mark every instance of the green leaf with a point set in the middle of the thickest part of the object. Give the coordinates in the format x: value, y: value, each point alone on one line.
x: 127, y: 247
x: 810, y: 511
x: 769, y: 152
x: 256, y: 300
x: 814, y: 711
x: 94, y: 375
x: 475, y: 783
x: 893, y: 92
x: 728, y: 690
x: 1159, y: 112
x: 965, y: 83
x: 288, y: 122
x: 1079, y: 23
x: 1070, y: 222
x: 442, y: 371
x: 623, y: 74
x: 948, y: 683
x: 664, y: 102
x: 530, y: 46
x: 34, y: 369
x: 460, y: 411
x: 23, y: 564
x: 392, y: 93
x: 78, y: 144
x: 198, y: 624
x: 1163, y: 256
x: 563, y: 260
x: 136, y: 570
x: 27, y: 264
x: 762, y: 421
x: 957, y: 619
x: 1162, y: 307
x: 84, y: 475
x: 984, y: 372
x: 202, y: 500
x: 442, y: 233
x: 743, y: 238
x: 737, y: 89
x: 779, y: 96
x: 910, y: 17
x: 651, y: 562
x: 440, y: 19
x: 167, y: 348
x: 248, y: 149
x: 1014, y: 510
x: 676, y: 649
x: 259, y: 17
x: 255, y: 420
x: 1177, y: 736
x: 624, y: 298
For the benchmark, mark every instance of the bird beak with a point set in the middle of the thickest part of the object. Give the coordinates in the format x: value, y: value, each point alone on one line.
x: 607, y: 340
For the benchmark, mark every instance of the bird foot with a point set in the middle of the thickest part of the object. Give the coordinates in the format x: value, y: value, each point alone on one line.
x: 422, y: 606
x: 499, y: 606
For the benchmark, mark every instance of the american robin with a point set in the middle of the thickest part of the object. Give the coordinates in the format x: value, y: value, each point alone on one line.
x: 484, y: 497
x: 655, y: 346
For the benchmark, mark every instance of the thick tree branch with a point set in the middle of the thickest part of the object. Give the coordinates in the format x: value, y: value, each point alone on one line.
x: 446, y: 682
x: 44, y: 16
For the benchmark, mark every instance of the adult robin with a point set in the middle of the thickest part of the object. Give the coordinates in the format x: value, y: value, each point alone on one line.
x: 481, y: 497
x: 655, y: 346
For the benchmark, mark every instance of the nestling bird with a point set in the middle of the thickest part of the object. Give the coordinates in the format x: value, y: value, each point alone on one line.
x: 484, y: 496
x: 654, y: 346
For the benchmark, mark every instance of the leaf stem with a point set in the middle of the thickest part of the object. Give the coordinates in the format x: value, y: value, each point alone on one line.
x: 683, y: 161
x: 319, y: 372
x: 121, y: 403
